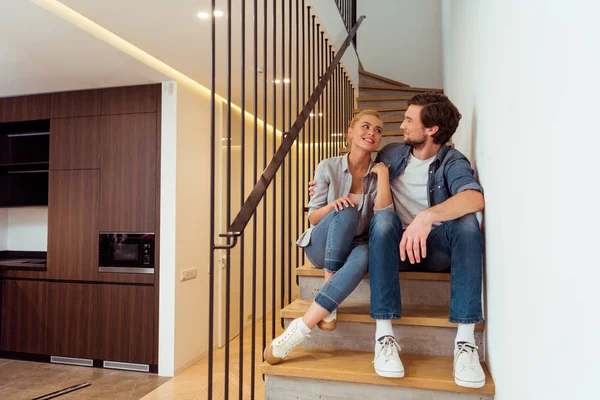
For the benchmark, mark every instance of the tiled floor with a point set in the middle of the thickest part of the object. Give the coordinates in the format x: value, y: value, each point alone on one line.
x: 27, y: 380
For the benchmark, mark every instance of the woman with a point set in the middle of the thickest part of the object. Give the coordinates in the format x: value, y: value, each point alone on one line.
x: 339, y: 213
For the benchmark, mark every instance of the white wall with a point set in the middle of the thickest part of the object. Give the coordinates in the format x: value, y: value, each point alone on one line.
x: 524, y: 75
x: 24, y: 229
x: 407, y: 35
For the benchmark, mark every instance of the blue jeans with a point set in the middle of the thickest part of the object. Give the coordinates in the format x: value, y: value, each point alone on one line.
x: 332, y: 248
x: 457, y: 243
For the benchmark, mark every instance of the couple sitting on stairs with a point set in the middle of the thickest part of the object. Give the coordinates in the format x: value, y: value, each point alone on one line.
x: 415, y: 206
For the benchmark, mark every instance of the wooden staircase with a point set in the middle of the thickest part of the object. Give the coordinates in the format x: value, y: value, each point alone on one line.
x: 338, y: 364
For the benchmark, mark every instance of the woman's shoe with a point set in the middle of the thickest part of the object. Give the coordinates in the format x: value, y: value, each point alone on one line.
x: 329, y: 322
x: 282, y: 345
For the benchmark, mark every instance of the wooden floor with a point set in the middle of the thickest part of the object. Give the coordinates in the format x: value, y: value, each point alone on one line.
x: 193, y: 382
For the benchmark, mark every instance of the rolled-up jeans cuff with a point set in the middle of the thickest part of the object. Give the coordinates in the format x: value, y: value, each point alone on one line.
x: 385, y: 315
x: 473, y: 320
x: 326, y: 302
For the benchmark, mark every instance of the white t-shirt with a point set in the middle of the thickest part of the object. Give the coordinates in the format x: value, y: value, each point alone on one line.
x: 409, y: 190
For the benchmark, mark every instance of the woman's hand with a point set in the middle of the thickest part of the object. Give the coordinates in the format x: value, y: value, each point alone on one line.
x: 381, y: 170
x: 341, y: 202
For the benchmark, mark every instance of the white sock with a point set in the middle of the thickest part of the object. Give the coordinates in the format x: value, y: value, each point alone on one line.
x: 465, y: 333
x: 303, y: 327
x: 383, y: 327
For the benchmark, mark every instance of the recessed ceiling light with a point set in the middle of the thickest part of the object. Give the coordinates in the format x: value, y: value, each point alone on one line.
x: 320, y: 114
x: 218, y: 13
x: 312, y: 115
x: 286, y: 80
x: 277, y: 81
x: 203, y: 15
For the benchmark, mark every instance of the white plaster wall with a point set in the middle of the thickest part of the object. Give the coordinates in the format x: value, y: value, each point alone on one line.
x: 524, y: 75
x: 27, y: 229
x: 407, y: 34
x: 3, y: 229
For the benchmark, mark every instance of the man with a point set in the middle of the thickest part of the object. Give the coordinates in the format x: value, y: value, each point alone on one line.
x: 426, y: 204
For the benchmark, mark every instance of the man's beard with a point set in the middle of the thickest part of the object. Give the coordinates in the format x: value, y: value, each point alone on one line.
x: 415, y: 142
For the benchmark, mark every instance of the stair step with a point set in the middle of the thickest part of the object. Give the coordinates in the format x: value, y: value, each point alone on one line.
x: 309, y: 270
x: 383, y: 98
x: 391, y: 90
x: 383, y: 101
x: 416, y: 288
x: 329, y: 366
x: 402, y: 88
x: 368, y: 77
x: 416, y: 315
x: 383, y: 109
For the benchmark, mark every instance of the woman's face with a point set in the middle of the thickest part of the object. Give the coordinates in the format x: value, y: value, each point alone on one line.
x: 366, y: 133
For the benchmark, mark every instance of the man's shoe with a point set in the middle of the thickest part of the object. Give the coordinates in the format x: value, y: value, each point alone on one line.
x: 387, y: 360
x: 282, y: 345
x: 328, y: 323
x: 467, y: 369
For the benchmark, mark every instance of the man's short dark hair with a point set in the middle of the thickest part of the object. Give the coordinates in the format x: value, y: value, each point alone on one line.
x: 438, y: 111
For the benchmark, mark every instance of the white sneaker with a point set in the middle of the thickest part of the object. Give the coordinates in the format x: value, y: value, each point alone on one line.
x: 282, y: 345
x: 387, y: 360
x: 328, y: 323
x: 467, y: 369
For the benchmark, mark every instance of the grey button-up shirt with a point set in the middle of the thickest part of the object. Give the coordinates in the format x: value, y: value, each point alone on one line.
x: 334, y: 181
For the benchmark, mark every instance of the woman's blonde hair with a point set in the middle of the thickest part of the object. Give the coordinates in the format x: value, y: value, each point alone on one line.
x: 361, y: 114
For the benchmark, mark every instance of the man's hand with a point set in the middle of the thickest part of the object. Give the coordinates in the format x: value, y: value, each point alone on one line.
x: 311, y: 188
x: 414, y: 240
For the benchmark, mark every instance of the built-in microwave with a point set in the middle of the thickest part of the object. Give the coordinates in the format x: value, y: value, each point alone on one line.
x: 126, y: 252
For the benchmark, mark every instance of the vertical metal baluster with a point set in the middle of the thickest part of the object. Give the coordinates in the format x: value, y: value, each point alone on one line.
x: 305, y: 81
x: 319, y: 111
x: 274, y: 249
x: 326, y: 132
x: 321, y: 103
x: 265, y: 137
x: 283, y: 166
x: 314, y: 125
x: 242, y: 179
x: 228, y: 205
x: 254, y: 218
x: 330, y: 103
x: 211, y: 276
x: 298, y: 141
x: 288, y: 244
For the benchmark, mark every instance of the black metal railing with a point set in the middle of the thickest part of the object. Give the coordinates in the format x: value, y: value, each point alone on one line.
x: 302, y: 82
x: 348, y: 12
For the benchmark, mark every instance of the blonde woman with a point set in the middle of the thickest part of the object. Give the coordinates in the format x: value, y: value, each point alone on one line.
x: 339, y: 213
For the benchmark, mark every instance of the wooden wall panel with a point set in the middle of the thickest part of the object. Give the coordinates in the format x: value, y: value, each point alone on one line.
x: 82, y: 103
x: 71, y: 318
x: 23, y: 316
x: 128, y: 173
x: 75, y: 143
x: 73, y: 203
x: 125, y: 323
x: 129, y: 100
x: 25, y: 108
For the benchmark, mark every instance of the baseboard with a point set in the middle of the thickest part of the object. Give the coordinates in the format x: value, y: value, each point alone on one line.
x: 188, y: 364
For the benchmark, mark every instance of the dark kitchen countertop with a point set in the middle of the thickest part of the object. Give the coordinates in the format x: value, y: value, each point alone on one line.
x: 22, y: 261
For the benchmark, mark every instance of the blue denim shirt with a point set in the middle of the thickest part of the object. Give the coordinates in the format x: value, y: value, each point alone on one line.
x: 450, y: 173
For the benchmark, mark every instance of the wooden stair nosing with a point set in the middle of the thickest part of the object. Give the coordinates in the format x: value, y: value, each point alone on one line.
x: 400, y: 88
x: 421, y: 372
x: 384, y: 98
x: 397, y: 132
x: 383, y: 78
x: 432, y: 316
x: 310, y: 270
x: 382, y: 109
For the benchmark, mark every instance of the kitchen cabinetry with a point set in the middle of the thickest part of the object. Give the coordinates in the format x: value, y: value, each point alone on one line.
x: 75, y: 143
x: 83, y: 103
x: 73, y: 203
x: 128, y: 177
x: 23, y: 326
x: 130, y: 100
x: 126, y: 323
x: 25, y: 108
x: 71, y: 319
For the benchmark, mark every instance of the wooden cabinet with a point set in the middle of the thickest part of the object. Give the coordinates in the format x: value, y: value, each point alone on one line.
x: 23, y: 325
x: 25, y: 108
x: 73, y: 204
x: 82, y: 103
x: 75, y: 143
x: 130, y: 100
x: 128, y: 178
x: 125, y: 323
x: 71, y: 319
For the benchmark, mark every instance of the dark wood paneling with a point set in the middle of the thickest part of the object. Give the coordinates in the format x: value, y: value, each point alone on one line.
x: 128, y: 176
x: 75, y: 143
x: 83, y: 103
x: 25, y: 108
x: 71, y: 316
x: 125, y: 323
x: 118, y: 277
x: 73, y: 204
x: 23, y: 316
x: 129, y: 100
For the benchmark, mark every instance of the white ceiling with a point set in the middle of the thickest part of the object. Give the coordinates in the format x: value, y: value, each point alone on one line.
x: 39, y: 53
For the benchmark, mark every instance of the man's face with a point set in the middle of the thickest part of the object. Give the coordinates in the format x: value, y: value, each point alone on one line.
x: 414, y: 132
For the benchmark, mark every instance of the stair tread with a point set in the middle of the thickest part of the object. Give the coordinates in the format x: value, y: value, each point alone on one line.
x: 309, y: 270
x: 384, y: 98
x: 415, y: 315
x: 383, y: 78
x: 396, y: 132
x: 422, y: 372
x: 382, y: 109
x: 401, y: 88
